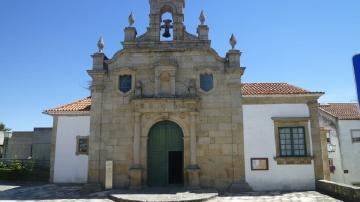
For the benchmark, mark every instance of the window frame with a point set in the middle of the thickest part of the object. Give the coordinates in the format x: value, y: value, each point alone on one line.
x: 78, y: 152
x: 292, y: 141
x: 292, y: 122
x: 352, y: 136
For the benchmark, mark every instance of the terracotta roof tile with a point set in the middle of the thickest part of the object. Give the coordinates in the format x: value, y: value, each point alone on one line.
x: 342, y: 111
x: 247, y: 89
x: 273, y: 89
x: 77, y: 106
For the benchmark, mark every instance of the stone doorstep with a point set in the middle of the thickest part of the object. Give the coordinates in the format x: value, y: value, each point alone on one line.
x: 162, y: 195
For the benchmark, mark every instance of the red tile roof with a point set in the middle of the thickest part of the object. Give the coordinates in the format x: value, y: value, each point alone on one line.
x: 82, y: 105
x: 273, y: 89
x: 248, y: 89
x: 342, y: 111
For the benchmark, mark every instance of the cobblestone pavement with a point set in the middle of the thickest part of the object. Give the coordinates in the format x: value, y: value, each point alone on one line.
x: 306, y: 196
x: 63, y: 193
x: 49, y: 192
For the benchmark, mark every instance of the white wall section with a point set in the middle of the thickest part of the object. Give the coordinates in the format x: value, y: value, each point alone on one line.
x: 259, y: 142
x: 69, y: 167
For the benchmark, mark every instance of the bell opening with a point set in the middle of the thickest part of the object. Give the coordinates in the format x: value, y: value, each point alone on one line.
x: 166, y: 32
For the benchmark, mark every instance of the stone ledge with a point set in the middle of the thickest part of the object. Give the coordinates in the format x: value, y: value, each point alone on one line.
x: 162, y: 195
x: 293, y: 160
x: 338, y: 190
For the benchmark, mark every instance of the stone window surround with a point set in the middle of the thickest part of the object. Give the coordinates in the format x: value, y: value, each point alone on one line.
x: 280, y: 122
x: 124, y: 71
x: 77, y: 145
x: 352, y: 137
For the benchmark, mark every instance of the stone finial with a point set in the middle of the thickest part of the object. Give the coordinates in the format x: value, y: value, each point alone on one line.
x: 202, y: 18
x: 101, y: 45
x: 131, y: 19
x: 233, y: 41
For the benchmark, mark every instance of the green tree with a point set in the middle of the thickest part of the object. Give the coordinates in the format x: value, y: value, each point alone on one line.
x: 3, y: 127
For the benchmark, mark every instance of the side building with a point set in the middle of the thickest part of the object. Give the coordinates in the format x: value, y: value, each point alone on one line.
x: 270, y: 110
x: 30, y: 145
x: 342, y: 124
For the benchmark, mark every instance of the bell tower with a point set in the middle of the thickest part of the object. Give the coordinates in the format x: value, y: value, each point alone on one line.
x: 157, y: 9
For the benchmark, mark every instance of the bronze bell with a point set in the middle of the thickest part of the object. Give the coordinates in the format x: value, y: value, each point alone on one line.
x: 167, y: 33
x: 167, y: 25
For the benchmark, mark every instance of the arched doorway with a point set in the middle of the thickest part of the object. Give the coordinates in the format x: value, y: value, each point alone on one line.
x: 165, y: 154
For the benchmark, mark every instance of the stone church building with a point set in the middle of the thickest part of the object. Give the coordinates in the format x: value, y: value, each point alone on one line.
x: 168, y: 110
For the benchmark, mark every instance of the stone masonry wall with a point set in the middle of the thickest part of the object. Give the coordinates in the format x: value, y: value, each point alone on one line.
x: 218, y: 124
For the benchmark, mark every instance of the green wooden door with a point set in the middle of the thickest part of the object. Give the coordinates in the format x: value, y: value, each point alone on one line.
x: 164, y: 137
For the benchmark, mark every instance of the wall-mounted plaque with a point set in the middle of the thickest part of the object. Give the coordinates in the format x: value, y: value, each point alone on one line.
x: 259, y: 164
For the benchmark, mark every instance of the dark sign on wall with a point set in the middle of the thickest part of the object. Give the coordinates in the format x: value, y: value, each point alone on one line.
x: 356, y: 61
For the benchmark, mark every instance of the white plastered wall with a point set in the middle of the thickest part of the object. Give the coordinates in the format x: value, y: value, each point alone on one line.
x: 350, y: 151
x: 259, y: 142
x: 69, y: 167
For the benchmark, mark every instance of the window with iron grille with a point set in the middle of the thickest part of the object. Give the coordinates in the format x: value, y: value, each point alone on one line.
x: 82, y: 145
x: 292, y: 141
x: 125, y: 83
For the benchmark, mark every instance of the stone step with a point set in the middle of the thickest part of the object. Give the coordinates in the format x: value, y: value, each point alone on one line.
x: 239, y: 188
x: 162, y: 195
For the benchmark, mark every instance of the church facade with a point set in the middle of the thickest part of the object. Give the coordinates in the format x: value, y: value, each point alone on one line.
x: 174, y: 112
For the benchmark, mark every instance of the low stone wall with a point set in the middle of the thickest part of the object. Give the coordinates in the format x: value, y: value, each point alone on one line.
x: 338, y: 190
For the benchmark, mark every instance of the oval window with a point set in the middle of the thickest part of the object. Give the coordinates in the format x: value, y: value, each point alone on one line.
x: 125, y: 83
x: 206, y: 82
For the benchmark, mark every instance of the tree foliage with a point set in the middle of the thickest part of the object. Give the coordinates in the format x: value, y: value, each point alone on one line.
x: 3, y: 127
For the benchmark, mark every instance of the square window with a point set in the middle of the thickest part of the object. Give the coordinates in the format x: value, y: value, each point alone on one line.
x: 82, y: 145
x: 292, y: 143
x: 355, y: 135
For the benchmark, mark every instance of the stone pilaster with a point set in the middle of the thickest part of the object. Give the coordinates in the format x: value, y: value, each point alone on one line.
x: 316, y: 140
x: 324, y: 150
x: 193, y: 152
x: 53, y: 147
x: 98, y: 61
x: 233, y: 57
x: 136, y: 169
x: 130, y: 34
x: 95, y: 139
x: 203, y: 32
x: 234, y: 73
x: 193, y: 169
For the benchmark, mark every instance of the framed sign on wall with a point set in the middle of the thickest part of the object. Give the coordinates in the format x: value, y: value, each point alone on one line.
x: 259, y: 164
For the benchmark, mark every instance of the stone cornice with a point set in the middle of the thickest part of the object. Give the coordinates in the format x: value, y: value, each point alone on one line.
x: 279, y: 99
x: 67, y: 113
x: 176, y: 104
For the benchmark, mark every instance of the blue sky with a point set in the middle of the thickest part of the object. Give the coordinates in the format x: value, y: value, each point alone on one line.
x: 46, y: 46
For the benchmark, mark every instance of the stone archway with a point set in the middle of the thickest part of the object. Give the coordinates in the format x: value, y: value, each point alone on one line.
x: 165, y: 154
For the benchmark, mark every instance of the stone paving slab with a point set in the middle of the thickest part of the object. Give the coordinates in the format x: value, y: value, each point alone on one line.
x: 305, y: 196
x: 177, y: 197
x: 71, y: 193
x: 49, y: 192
